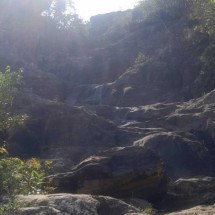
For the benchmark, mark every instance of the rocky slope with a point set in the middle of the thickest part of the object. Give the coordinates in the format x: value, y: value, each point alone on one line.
x: 182, y: 130
x: 127, y: 152
x: 119, y: 128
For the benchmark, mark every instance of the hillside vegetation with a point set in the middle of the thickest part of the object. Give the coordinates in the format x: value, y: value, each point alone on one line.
x: 178, y: 35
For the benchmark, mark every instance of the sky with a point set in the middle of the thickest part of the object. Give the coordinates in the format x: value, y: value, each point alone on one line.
x: 88, y: 8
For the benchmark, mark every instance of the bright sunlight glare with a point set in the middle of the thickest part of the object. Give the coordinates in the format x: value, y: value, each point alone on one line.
x: 88, y: 8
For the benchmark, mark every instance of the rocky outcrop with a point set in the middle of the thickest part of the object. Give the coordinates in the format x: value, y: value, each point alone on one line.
x: 69, y: 134
x: 181, y: 153
x: 69, y: 204
x: 137, y: 86
x: 120, y: 172
x: 65, y: 134
x: 175, y: 130
x: 118, y: 115
x: 199, y: 210
x: 187, y: 192
x: 181, y: 134
x: 196, y: 114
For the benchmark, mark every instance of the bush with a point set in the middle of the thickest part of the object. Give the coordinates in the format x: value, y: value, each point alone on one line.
x: 23, y: 177
x: 9, y: 82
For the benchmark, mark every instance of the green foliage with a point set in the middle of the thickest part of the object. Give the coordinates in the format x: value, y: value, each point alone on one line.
x: 23, y: 177
x: 63, y: 14
x: 203, y: 11
x: 42, y: 32
x: 164, y: 9
x: 9, y: 81
x: 191, y: 25
x: 10, y: 208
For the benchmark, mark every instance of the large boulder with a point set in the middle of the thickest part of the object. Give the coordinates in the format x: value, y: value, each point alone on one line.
x: 188, y: 192
x: 119, y: 172
x: 69, y: 204
x: 182, y: 154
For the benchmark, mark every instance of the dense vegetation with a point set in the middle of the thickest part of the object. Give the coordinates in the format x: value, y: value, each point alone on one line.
x: 197, y: 30
x: 42, y: 36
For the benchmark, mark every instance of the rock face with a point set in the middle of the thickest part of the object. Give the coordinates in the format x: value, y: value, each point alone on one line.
x: 46, y: 85
x: 189, y: 192
x: 65, y: 134
x: 68, y: 204
x: 182, y: 134
x: 135, y: 87
x: 182, y: 153
x: 120, y: 172
x: 199, y: 210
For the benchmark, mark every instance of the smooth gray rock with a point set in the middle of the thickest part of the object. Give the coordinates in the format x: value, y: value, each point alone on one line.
x: 69, y: 204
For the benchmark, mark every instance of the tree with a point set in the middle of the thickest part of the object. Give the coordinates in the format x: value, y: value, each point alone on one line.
x: 9, y: 81
x: 164, y: 9
x: 44, y: 33
x: 203, y: 11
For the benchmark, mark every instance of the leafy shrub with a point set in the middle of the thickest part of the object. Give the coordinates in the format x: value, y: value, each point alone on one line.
x: 9, y: 81
x: 10, y: 208
x: 23, y: 177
